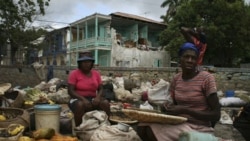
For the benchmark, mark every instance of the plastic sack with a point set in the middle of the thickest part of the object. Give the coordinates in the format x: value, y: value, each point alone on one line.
x: 109, y: 133
x: 91, y: 121
x: 158, y: 94
x: 146, y: 105
x: 197, y: 136
x: 232, y: 101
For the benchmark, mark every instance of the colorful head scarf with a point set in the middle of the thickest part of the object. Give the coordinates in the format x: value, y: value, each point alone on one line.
x: 188, y: 46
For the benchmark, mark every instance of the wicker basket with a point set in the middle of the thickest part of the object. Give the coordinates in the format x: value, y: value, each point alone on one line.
x: 14, y: 116
x: 12, y: 138
x: 149, y: 117
x: 4, y: 87
x: 16, y: 97
x: 120, y: 120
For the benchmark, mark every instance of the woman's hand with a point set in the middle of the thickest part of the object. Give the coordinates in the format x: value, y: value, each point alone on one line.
x: 96, y: 101
x: 165, y: 105
x: 86, y: 102
x: 176, y: 109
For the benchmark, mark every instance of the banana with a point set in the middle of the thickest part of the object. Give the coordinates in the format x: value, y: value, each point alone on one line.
x: 69, y: 115
x: 51, y: 102
x: 16, y: 130
x: 29, y: 102
x: 2, y: 118
x: 25, y: 138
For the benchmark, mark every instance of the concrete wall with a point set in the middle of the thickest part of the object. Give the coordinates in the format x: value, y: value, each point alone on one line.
x: 227, y: 78
x: 133, y: 57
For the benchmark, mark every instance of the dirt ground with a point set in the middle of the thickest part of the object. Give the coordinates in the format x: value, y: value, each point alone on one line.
x: 228, y: 132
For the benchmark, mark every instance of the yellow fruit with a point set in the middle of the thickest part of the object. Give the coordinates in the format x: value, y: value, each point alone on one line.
x: 51, y: 102
x: 25, y: 138
x: 44, y: 133
x: 29, y: 102
x: 69, y: 115
x: 63, y: 138
x: 15, y: 129
x: 2, y: 118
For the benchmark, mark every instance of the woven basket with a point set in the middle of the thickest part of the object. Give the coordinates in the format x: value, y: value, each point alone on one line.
x: 12, y: 138
x: 14, y: 116
x: 149, y: 117
x: 4, y: 87
x: 16, y: 97
x: 113, y: 119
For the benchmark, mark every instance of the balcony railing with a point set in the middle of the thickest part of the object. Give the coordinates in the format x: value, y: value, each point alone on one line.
x: 85, y: 43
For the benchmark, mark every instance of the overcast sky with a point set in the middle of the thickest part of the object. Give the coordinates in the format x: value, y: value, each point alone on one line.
x: 67, y: 11
x: 62, y: 12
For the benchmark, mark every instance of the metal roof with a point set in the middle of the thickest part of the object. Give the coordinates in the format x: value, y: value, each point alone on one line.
x: 91, y: 18
x: 135, y: 17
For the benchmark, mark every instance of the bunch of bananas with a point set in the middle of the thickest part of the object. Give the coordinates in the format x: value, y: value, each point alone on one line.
x: 28, y: 102
x: 51, y: 102
x: 25, y: 138
x: 2, y: 118
x: 14, y: 129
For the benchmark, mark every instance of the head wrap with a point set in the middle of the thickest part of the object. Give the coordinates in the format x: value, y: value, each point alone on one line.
x: 188, y: 46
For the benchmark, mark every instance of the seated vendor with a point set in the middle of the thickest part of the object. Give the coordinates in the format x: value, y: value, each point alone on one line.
x: 194, y: 96
x: 85, y: 89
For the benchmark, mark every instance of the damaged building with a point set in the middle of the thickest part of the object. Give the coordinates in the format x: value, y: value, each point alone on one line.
x: 118, y: 40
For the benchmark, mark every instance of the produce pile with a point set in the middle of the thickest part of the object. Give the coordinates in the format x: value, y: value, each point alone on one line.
x: 43, y: 93
x: 42, y: 134
x: 36, y: 96
x: 26, y: 98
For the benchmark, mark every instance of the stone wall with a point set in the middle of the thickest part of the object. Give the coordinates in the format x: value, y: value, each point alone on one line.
x: 227, y: 78
x: 24, y: 77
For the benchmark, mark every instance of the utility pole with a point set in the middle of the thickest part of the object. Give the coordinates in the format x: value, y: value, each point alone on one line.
x: 8, y: 57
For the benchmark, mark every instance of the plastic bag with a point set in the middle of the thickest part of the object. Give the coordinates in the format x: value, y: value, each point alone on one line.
x: 158, y: 94
x: 109, y: 133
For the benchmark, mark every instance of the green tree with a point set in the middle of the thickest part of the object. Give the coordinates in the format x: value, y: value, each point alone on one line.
x: 172, y: 8
x: 226, y: 27
x: 25, y: 37
x: 15, y: 15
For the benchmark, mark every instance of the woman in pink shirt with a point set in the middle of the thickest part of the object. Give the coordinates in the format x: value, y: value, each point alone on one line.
x: 85, y: 89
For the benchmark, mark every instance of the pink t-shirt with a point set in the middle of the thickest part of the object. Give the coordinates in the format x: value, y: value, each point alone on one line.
x: 84, y: 85
x: 194, y: 92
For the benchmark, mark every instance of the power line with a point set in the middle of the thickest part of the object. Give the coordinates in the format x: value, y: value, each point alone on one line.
x: 148, y: 3
x: 51, y: 21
